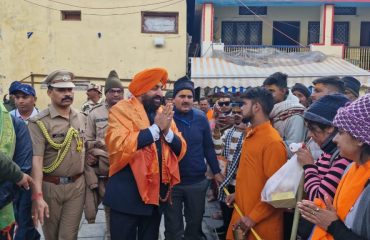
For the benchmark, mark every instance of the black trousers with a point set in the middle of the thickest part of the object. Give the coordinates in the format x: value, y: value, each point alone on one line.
x: 134, y: 227
x: 227, y: 212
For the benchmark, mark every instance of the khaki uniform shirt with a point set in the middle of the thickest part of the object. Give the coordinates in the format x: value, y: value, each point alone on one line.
x: 57, y: 127
x: 87, y: 106
x: 97, y: 123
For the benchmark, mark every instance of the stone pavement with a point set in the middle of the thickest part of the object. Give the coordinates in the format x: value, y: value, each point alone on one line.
x: 96, y: 231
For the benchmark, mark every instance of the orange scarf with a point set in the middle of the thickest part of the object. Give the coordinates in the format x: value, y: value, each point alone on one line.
x: 349, y: 190
x: 126, y: 119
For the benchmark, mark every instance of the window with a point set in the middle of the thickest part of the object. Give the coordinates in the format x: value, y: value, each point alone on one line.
x: 159, y: 22
x: 71, y: 15
x: 286, y: 33
x: 365, y: 34
x: 345, y: 10
x: 313, y: 32
x: 241, y: 33
x: 341, y: 33
x: 252, y: 10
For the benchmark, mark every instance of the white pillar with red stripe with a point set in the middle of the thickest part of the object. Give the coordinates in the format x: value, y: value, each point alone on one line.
x: 207, y: 29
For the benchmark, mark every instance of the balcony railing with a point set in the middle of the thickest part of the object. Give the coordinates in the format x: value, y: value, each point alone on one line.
x: 258, y: 48
x: 359, y: 56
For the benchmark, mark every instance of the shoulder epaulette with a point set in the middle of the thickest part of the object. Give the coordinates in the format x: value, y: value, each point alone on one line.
x: 96, y: 106
x: 40, y: 115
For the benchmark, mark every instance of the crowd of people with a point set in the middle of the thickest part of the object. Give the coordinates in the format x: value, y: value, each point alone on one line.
x: 157, y: 155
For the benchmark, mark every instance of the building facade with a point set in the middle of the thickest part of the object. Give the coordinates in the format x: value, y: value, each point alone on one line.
x: 339, y: 29
x: 90, y: 38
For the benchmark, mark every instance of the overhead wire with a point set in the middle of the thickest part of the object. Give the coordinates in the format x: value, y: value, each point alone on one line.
x: 270, y: 25
x: 173, y: 2
x: 282, y: 22
x: 107, y: 8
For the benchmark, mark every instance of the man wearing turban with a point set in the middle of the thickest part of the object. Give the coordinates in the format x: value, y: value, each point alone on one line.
x: 144, y: 148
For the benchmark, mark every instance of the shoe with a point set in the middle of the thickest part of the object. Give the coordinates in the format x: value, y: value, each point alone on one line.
x: 221, y: 230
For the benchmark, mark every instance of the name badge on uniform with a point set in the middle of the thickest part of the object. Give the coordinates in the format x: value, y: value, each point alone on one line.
x: 101, y: 120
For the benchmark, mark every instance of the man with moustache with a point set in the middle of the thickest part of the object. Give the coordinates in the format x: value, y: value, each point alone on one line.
x: 263, y: 153
x: 190, y: 193
x: 229, y: 146
x: 144, y: 149
x: 97, y: 166
x: 57, y: 134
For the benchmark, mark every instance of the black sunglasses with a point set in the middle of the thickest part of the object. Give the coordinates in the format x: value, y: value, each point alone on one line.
x: 221, y: 104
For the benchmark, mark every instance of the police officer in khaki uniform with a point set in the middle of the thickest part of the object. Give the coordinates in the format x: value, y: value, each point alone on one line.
x: 97, y: 161
x: 94, y: 98
x: 57, y: 133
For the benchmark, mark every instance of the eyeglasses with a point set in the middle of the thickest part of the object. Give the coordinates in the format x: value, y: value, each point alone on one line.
x: 112, y: 91
x: 221, y: 104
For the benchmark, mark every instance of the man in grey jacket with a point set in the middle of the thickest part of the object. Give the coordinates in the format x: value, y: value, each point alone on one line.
x: 286, y: 116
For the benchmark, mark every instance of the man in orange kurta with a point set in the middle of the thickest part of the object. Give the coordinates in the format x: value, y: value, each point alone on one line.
x: 144, y: 149
x: 263, y: 153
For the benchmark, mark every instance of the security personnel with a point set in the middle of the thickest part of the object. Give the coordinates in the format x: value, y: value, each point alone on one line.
x: 97, y: 164
x: 94, y: 98
x: 57, y: 133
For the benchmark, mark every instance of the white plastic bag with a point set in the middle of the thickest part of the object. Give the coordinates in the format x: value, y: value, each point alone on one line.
x: 281, y: 188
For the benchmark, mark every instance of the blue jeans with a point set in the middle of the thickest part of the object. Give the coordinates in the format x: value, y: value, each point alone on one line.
x: 22, y: 211
x: 191, y: 200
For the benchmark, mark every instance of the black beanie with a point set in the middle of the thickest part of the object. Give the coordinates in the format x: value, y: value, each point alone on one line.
x: 352, y: 84
x: 302, y: 89
x: 324, y: 110
x: 181, y: 84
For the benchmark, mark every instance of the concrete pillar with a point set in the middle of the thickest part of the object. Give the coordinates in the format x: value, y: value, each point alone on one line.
x: 326, y: 33
x: 207, y: 28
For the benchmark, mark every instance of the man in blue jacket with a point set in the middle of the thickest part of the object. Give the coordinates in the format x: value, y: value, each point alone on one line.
x: 190, y: 193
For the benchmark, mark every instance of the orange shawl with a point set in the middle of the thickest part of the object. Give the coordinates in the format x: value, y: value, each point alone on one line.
x: 126, y: 119
x: 349, y: 190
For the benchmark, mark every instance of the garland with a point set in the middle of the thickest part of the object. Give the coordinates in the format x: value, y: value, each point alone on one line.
x: 65, y: 145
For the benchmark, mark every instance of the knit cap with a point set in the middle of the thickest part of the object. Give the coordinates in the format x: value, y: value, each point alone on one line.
x: 302, y: 89
x: 324, y: 110
x: 181, y: 84
x: 355, y: 119
x: 352, y: 84
x: 112, y: 81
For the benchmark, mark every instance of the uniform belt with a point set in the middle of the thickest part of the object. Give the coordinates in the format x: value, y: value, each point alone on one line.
x: 61, y: 180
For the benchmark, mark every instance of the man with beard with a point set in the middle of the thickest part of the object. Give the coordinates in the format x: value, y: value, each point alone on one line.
x: 144, y: 149
x: 263, y: 153
x: 229, y: 146
x: 222, y: 114
x: 325, y: 86
x: 57, y: 133
x: 286, y: 116
x: 190, y: 193
x: 96, y: 166
x: 25, y: 99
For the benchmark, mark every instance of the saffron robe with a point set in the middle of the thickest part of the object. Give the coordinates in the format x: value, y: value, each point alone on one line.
x: 263, y: 153
x: 126, y: 119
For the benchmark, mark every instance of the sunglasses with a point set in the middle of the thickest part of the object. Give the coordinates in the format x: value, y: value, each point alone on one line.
x: 221, y: 104
x: 237, y: 112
